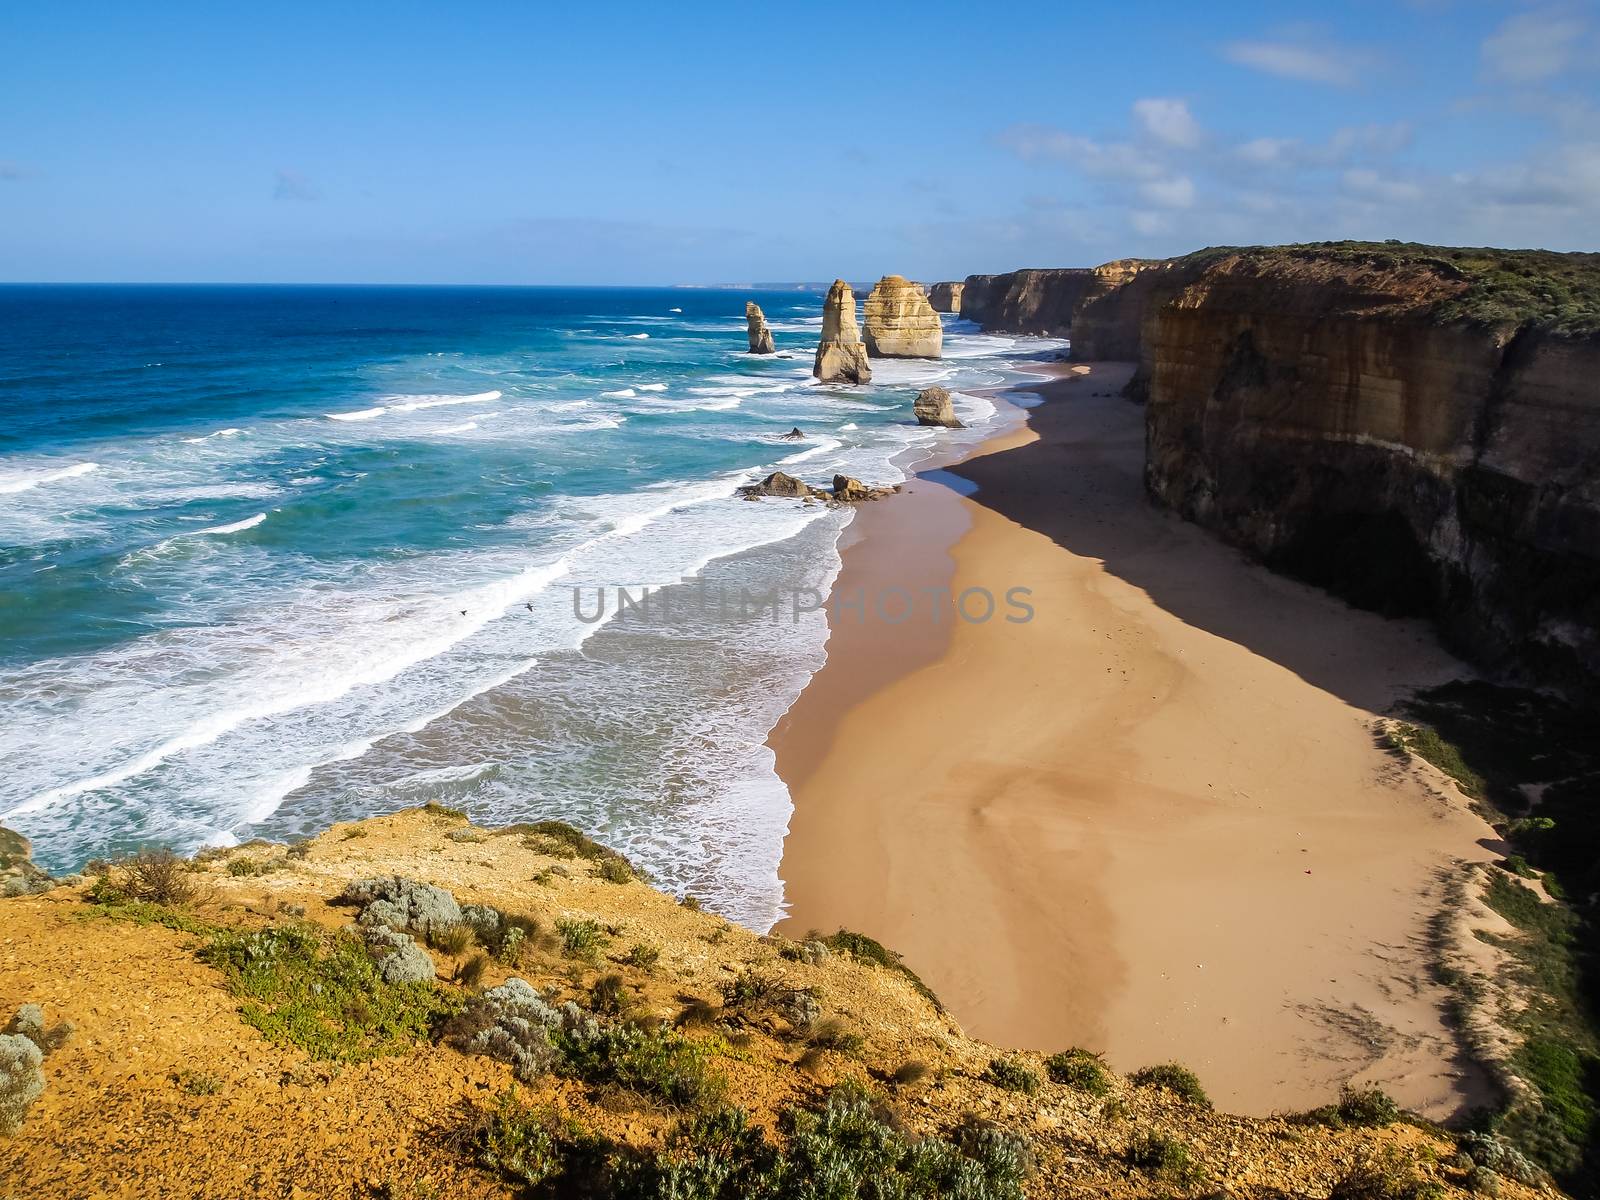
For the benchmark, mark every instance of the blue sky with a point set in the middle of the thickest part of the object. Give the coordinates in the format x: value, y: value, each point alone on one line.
x: 633, y: 143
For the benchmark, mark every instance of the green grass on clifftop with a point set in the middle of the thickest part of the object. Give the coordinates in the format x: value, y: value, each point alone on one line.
x: 1506, y: 288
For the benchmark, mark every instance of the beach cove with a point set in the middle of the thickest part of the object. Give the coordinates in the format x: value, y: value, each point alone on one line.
x: 1155, y: 820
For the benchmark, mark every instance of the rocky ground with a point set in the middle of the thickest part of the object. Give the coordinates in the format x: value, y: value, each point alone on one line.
x: 187, y: 1074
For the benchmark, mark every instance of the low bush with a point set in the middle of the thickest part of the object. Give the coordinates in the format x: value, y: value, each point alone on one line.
x: 1080, y: 1069
x: 454, y: 938
x: 24, y: 1046
x: 843, y: 1147
x: 1165, y: 1158
x: 1363, y: 1108
x: 156, y: 877
x: 643, y: 957
x: 834, y: 1034
x: 580, y: 938
x: 1013, y: 1075
x: 1175, y: 1078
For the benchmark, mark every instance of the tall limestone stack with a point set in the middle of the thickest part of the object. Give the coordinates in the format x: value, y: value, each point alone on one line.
x: 900, y: 322
x: 946, y: 297
x: 760, y: 335
x: 841, y: 358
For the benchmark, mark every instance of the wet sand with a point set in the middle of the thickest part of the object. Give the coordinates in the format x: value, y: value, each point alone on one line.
x: 1153, y: 820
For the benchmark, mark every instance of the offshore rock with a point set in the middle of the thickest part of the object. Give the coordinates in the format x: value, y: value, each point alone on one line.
x: 841, y: 358
x: 756, y: 323
x: 946, y: 297
x: 779, y: 484
x: 900, y: 323
x: 933, y: 407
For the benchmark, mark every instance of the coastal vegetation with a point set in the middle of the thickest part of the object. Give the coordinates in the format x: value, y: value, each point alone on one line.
x: 679, y: 1066
x: 1502, y: 288
x: 1532, y: 761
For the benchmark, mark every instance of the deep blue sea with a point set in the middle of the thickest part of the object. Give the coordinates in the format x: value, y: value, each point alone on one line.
x: 276, y: 556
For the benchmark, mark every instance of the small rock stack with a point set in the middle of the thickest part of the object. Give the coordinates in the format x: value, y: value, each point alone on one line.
x: 760, y: 335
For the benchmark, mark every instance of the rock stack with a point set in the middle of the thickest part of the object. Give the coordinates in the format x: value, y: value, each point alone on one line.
x: 841, y: 358
x: 933, y: 407
x: 760, y: 335
x: 900, y: 323
x: 946, y: 297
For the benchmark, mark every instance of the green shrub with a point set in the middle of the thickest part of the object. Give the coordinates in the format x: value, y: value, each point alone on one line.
x: 1013, y: 1075
x: 1176, y: 1078
x: 643, y: 957
x: 654, y: 1061
x: 323, y: 994
x: 1165, y: 1158
x: 614, y: 870
x: 1079, y: 1069
x: 1364, y: 1108
x: 580, y: 938
x: 834, y: 1034
x: 523, y: 1144
x: 244, y: 867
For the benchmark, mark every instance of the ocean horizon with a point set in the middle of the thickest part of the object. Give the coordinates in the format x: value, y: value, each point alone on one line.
x: 279, y: 555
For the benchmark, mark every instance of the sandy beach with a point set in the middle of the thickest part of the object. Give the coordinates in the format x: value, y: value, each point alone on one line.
x: 1153, y: 820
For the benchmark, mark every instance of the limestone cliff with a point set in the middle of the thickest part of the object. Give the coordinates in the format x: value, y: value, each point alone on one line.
x: 1099, y: 308
x: 1031, y: 301
x: 900, y: 323
x: 756, y: 326
x: 1415, y: 430
x: 841, y: 357
x: 946, y: 297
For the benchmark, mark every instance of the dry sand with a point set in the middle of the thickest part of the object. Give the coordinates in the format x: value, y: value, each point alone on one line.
x: 1154, y: 820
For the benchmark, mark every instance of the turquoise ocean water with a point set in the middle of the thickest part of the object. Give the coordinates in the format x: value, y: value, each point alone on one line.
x: 276, y: 556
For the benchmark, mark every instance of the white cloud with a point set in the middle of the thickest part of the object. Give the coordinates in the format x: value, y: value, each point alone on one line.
x: 1168, y: 121
x: 1367, y: 184
x: 292, y: 185
x: 1532, y: 47
x: 1299, y: 60
x: 1150, y: 224
x: 1114, y: 160
x: 1177, y: 192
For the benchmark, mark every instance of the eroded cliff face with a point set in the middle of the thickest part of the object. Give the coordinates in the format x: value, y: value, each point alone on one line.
x: 1032, y: 301
x: 899, y: 321
x: 945, y: 297
x: 1100, y: 308
x: 1321, y: 415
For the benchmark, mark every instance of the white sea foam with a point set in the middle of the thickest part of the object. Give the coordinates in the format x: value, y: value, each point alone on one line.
x: 652, y: 387
x: 221, y: 433
x: 620, y: 394
x: 237, y: 526
x: 22, y: 481
x: 408, y: 404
